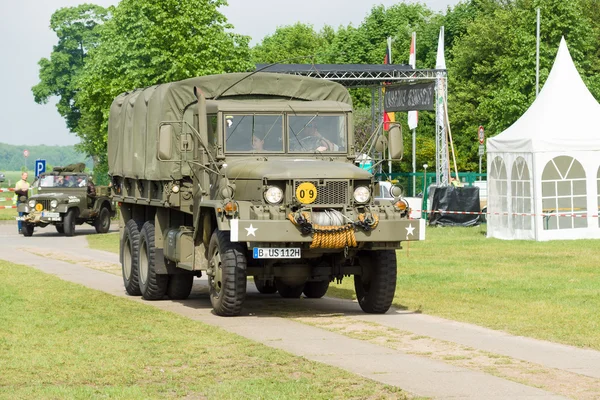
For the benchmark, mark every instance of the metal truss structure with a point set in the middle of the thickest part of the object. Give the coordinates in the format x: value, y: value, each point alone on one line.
x: 375, y: 76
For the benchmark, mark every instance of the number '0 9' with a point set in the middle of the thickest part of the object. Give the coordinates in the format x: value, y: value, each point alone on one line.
x: 311, y: 194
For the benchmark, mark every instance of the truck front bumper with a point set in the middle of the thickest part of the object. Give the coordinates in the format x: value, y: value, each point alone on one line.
x: 279, y: 231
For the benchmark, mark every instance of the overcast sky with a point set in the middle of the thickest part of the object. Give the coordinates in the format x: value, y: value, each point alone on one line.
x: 25, y: 37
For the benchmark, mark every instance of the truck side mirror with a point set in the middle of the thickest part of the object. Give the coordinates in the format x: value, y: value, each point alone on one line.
x: 165, y: 149
x: 395, y: 142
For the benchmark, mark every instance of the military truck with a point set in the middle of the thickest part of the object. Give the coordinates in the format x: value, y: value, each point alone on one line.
x: 65, y: 198
x: 250, y: 175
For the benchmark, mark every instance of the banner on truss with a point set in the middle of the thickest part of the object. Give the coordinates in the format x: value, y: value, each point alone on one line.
x: 419, y: 96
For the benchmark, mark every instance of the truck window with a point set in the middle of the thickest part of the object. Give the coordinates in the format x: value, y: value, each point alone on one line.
x: 253, y: 133
x: 323, y: 133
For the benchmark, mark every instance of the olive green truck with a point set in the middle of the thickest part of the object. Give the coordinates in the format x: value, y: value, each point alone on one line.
x: 239, y: 175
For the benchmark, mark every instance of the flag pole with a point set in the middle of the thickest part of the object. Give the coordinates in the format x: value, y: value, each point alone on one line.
x: 537, y: 56
x: 389, y: 44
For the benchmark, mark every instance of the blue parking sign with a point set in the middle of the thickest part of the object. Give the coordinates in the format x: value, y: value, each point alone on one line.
x: 40, y: 167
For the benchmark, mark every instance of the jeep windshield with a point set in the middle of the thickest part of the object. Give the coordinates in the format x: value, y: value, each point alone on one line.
x: 303, y: 133
x: 60, y: 181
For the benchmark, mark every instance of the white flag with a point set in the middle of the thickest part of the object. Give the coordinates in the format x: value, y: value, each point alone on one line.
x: 413, y: 116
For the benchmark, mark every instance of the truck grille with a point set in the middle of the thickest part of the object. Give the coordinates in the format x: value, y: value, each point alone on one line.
x: 45, y: 203
x: 329, y: 192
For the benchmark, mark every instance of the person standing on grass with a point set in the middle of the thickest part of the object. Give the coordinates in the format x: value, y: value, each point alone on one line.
x: 21, y: 189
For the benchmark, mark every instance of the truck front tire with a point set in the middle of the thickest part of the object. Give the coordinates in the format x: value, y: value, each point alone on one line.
x: 227, y: 281
x: 264, y: 287
x: 288, y: 291
x: 376, y: 288
x: 102, y: 223
x: 130, y: 248
x: 69, y: 222
x: 153, y: 286
x: 27, y: 229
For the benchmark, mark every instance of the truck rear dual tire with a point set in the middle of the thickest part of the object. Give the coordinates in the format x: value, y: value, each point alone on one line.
x: 130, y: 246
x: 375, y: 289
x: 227, y: 282
x: 264, y: 287
x: 315, y: 289
x: 288, y: 291
x: 153, y: 286
x: 180, y: 286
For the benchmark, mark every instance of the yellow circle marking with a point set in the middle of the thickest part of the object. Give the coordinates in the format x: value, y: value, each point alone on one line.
x: 39, y: 207
x: 306, y: 193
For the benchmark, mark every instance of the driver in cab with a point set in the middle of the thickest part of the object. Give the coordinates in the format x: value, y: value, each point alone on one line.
x: 313, y: 140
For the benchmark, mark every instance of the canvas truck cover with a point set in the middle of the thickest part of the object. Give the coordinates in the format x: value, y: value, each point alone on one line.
x: 135, y: 116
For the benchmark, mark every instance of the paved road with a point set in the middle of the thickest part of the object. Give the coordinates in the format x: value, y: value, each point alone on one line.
x: 419, y: 375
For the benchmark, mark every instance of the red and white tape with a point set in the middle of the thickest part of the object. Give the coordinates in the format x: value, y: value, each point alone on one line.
x: 3, y: 207
x: 7, y: 190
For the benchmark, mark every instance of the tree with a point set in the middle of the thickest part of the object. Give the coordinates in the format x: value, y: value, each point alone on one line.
x: 146, y: 43
x: 77, y: 29
x: 294, y: 44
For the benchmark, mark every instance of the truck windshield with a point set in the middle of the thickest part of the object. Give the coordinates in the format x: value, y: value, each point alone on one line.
x: 51, y: 181
x: 253, y: 133
x: 322, y: 133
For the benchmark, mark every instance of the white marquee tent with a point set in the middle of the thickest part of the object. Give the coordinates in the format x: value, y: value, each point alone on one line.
x: 544, y: 170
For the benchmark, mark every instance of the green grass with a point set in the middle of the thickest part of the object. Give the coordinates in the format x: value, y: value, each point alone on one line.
x: 105, y: 242
x: 544, y: 290
x: 61, y: 340
x: 12, y: 177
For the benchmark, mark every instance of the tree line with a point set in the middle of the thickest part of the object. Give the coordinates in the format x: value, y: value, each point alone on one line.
x: 12, y: 158
x: 490, y: 56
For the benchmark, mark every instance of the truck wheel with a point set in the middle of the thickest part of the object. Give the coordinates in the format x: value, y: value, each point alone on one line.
x: 180, y: 286
x: 316, y: 290
x: 376, y: 288
x: 288, y: 291
x: 69, y: 222
x: 130, y: 248
x: 227, y: 281
x: 60, y: 229
x: 264, y: 287
x: 152, y: 285
x: 102, y: 223
x: 27, y: 229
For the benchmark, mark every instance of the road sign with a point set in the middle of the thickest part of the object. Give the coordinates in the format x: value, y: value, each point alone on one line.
x: 481, y: 150
x: 481, y: 135
x: 25, y: 153
x: 40, y: 167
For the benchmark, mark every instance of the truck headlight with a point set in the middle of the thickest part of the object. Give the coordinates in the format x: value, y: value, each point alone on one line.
x: 31, y: 203
x: 273, y: 195
x: 53, y: 203
x: 362, y: 194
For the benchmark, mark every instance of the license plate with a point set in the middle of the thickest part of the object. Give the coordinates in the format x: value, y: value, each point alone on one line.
x: 272, y: 252
x: 50, y: 214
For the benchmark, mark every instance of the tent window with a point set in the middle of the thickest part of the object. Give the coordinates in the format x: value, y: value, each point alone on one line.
x: 521, y: 195
x: 564, y: 192
x: 498, y: 193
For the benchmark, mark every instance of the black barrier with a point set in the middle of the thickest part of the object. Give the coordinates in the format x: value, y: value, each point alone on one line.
x: 451, y: 198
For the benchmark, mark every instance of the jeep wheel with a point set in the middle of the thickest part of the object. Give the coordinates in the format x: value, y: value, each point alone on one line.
x: 375, y: 289
x: 180, y: 286
x: 60, y: 229
x: 130, y: 248
x: 288, y: 291
x: 102, y: 223
x: 316, y: 290
x: 227, y: 276
x: 27, y: 229
x: 264, y: 287
x: 152, y: 285
x: 69, y: 222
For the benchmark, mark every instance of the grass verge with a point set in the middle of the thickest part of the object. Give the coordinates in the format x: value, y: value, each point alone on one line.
x: 106, y: 242
x: 544, y: 290
x: 61, y: 340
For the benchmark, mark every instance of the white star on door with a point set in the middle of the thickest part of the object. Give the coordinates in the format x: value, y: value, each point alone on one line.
x: 409, y: 230
x: 251, y: 230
